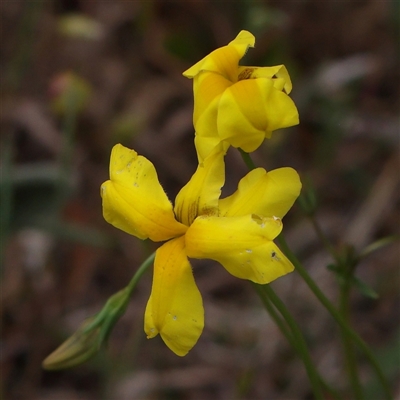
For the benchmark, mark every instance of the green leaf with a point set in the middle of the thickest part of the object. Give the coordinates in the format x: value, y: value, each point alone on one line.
x: 378, y: 244
x: 364, y: 288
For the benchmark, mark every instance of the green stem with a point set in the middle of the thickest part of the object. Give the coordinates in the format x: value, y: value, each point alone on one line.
x: 344, y: 309
x: 335, y: 314
x: 141, y: 270
x: 294, y: 335
x: 291, y: 338
x: 323, y: 299
x: 6, y: 194
x: 274, y: 315
x: 68, y: 131
x: 301, y: 345
x: 247, y: 160
x: 115, y: 304
x: 349, y: 351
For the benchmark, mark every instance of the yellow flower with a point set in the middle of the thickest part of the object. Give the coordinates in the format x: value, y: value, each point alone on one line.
x: 237, y: 231
x: 239, y: 105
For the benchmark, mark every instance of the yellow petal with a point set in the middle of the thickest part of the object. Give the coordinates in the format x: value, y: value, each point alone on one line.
x: 133, y: 199
x: 175, y: 308
x: 207, y: 89
x: 278, y: 73
x: 264, y: 193
x: 201, y: 194
x: 206, y: 144
x: 243, y: 245
x: 225, y: 60
x: 250, y: 110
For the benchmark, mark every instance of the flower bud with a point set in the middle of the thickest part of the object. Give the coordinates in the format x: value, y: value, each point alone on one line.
x: 90, y: 336
x: 78, y: 348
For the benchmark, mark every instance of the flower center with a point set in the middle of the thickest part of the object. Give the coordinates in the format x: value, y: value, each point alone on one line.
x: 246, y: 74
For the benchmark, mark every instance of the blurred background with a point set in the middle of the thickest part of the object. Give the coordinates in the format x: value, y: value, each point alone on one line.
x: 78, y: 77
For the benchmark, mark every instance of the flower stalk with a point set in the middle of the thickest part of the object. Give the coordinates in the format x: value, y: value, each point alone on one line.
x: 341, y: 317
x: 291, y: 330
x: 267, y: 295
x: 346, y: 263
x: 294, y: 336
x: 336, y: 315
x: 348, y: 347
x: 345, y: 266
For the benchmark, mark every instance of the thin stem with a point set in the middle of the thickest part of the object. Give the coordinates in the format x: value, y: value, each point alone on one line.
x: 298, y: 339
x: 128, y: 290
x: 6, y: 194
x: 274, y: 315
x: 335, y: 314
x: 282, y: 325
x: 247, y: 159
x: 293, y: 334
x: 348, y: 347
x: 344, y: 309
x: 141, y: 270
x: 68, y: 131
x: 322, y: 298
